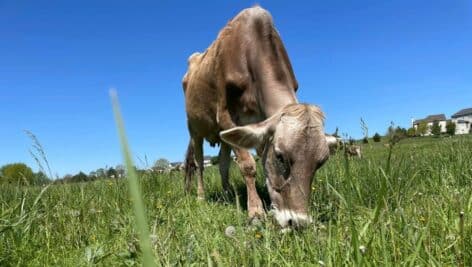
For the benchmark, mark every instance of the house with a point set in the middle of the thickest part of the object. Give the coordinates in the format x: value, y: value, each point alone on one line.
x: 207, y: 161
x: 439, y: 118
x: 176, y: 166
x: 463, y: 121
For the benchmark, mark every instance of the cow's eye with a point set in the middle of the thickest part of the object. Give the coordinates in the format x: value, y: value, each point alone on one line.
x: 282, y: 164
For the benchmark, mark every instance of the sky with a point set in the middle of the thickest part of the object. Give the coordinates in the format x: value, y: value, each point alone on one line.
x: 382, y: 61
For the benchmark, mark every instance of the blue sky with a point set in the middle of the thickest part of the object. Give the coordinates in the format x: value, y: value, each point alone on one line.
x: 380, y: 60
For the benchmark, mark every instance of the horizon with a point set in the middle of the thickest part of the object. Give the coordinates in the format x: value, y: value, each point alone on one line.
x: 382, y: 62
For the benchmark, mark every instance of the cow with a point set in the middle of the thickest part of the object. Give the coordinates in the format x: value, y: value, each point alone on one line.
x: 353, y: 150
x: 337, y: 144
x: 240, y: 93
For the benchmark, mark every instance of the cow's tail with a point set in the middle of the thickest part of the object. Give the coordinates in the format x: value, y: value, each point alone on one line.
x: 189, y: 167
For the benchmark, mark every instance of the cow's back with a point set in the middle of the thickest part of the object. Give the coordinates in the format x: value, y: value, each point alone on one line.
x: 247, y: 55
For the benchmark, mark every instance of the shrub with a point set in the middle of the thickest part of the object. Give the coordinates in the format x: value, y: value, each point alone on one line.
x: 436, y: 129
x: 411, y: 132
x: 376, y: 137
x: 17, y: 173
x: 422, y: 128
x: 215, y: 160
x: 451, y: 128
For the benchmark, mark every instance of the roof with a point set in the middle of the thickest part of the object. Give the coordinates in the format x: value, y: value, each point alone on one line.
x: 431, y: 118
x: 463, y: 112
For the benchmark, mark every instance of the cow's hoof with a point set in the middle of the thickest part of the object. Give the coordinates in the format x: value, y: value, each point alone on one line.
x: 256, y: 212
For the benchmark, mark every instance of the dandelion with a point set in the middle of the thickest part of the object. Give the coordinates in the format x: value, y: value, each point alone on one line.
x: 422, y: 219
x: 258, y: 235
x: 230, y: 231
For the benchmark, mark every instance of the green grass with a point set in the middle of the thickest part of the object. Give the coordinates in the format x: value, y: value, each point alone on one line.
x: 403, y: 212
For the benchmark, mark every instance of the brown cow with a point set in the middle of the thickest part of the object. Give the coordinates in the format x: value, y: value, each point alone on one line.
x: 353, y: 150
x: 241, y: 93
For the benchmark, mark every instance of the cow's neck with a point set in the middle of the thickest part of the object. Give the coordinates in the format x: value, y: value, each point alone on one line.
x: 275, y: 98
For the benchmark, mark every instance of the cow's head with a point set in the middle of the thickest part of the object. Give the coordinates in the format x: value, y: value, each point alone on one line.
x: 295, y: 146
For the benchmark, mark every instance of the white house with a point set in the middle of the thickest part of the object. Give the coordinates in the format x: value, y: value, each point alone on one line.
x: 207, y: 161
x: 439, y: 118
x: 463, y: 121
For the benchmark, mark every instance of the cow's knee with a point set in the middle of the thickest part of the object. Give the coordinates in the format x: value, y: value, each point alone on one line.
x: 247, y: 167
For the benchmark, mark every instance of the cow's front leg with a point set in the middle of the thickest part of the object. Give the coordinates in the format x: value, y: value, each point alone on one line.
x: 247, y: 165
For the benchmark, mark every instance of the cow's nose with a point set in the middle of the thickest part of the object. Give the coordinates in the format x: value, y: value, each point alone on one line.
x: 292, y: 218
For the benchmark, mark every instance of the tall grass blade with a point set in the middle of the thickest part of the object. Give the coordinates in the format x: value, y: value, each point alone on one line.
x: 134, y: 190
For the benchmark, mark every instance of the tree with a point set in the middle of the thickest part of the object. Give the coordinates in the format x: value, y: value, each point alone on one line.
x: 100, y: 173
x: 80, y: 177
x: 215, y: 160
x: 376, y: 137
x: 161, y: 164
x: 395, y: 134
x: 111, y: 173
x: 422, y: 128
x: 17, y: 173
x: 120, y: 171
x: 436, y: 129
x: 40, y: 178
x: 451, y: 128
x: 401, y: 132
x: 365, y: 140
x: 411, y: 132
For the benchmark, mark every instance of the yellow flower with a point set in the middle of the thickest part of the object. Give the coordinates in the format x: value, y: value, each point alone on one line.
x: 258, y: 235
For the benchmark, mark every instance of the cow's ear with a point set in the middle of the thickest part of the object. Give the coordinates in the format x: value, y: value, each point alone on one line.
x: 249, y: 136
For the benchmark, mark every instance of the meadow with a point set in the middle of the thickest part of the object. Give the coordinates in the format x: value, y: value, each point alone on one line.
x: 408, y: 205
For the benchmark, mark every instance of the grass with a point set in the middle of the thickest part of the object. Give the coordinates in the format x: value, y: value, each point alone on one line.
x: 368, y: 212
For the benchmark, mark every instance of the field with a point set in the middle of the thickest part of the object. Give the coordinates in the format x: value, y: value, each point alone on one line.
x: 411, y: 208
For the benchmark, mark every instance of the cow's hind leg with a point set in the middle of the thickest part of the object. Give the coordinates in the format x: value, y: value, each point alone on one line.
x: 224, y: 159
x: 198, y: 152
x: 247, y: 165
x: 189, y: 166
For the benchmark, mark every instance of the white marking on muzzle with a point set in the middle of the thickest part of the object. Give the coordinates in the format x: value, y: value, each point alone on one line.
x: 292, y: 218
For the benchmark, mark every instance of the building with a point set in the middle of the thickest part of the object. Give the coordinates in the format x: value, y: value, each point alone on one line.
x: 439, y: 118
x: 463, y: 121
x: 207, y: 161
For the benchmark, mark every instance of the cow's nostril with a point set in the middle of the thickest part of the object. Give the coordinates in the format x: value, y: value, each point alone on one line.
x: 290, y: 222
